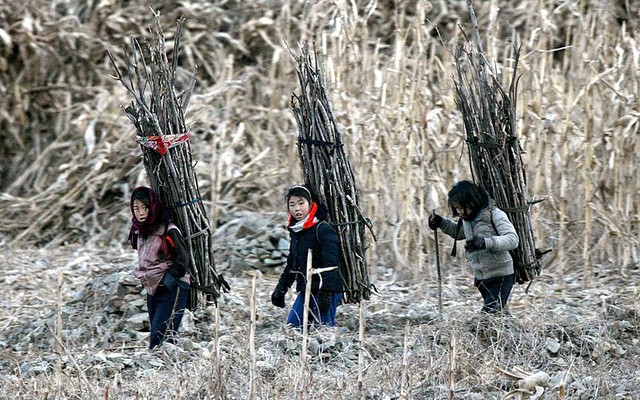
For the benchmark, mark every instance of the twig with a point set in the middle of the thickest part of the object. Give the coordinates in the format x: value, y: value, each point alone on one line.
x: 253, y: 376
x: 305, y: 320
x: 71, y: 357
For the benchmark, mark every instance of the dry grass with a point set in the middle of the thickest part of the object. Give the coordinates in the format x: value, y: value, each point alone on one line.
x: 68, y: 160
x: 60, y: 340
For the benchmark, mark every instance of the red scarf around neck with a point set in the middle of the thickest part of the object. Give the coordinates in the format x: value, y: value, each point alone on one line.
x: 306, y: 223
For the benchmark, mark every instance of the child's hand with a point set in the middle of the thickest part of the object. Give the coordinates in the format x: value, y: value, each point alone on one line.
x: 477, y: 243
x: 277, y: 297
x: 434, y: 221
x: 277, y: 301
x: 323, y: 299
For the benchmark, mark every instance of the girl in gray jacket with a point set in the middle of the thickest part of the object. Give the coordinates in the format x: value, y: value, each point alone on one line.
x: 489, y: 236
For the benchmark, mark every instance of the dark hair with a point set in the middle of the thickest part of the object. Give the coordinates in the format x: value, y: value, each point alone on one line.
x: 300, y: 191
x: 467, y: 194
x: 143, y: 196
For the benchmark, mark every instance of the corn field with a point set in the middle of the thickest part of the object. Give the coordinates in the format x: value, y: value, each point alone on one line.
x: 67, y: 147
x: 68, y: 157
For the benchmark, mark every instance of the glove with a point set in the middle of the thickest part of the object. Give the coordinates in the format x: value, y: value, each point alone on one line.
x: 277, y: 301
x: 323, y: 299
x: 277, y: 297
x: 477, y: 243
x: 434, y: 221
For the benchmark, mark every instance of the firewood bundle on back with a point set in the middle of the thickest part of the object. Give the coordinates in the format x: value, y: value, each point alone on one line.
x: 157, y: 112
x: 495, y: 154
x: 328, y: 172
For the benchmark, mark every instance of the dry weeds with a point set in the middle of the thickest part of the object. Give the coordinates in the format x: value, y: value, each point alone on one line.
x: 68, y: 160
x: 73, y: 330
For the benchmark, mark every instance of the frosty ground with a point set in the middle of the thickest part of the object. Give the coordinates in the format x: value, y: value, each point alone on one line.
x: 74, y: 326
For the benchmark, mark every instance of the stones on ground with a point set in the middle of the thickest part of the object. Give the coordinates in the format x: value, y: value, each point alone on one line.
x: 249, y: 241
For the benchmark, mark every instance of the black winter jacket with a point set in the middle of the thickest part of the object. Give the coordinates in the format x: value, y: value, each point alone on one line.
x: 324, y: 243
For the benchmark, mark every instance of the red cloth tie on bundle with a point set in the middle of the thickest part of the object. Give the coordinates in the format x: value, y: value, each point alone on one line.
x: 162, y: 143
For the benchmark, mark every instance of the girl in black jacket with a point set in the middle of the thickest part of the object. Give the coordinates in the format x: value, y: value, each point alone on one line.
x: 309, y: 231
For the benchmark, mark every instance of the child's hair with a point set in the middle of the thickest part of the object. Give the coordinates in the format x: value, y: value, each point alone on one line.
x: 300, y: 191
x: 142, y: 195
x: 467, y: 194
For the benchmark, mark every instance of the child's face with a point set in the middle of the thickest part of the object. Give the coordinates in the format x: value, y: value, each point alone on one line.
x: 140, y: 211
x: 299, y: 207
x: 463, y: 212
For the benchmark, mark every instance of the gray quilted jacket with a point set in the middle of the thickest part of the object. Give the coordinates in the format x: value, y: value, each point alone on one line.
x: 500, y: 236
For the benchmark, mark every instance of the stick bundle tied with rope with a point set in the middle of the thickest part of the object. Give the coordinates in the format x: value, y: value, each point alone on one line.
x: 489, y: 115
x: 328, y: 172
x: 157, y: 113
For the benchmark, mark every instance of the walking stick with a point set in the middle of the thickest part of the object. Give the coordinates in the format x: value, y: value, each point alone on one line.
x: 435, y: 238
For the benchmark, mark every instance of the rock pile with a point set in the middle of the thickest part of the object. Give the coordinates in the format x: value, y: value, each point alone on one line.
x: 249, y: 241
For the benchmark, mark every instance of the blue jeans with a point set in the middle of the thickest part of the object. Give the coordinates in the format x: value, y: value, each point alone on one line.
x: 328, y: 317
x: 495, y: 292
x: 166, y: 309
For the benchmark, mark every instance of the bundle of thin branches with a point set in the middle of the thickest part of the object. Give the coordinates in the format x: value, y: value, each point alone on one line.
x: 328, y: 172
x: 495, y: 154
x: 157, y: 112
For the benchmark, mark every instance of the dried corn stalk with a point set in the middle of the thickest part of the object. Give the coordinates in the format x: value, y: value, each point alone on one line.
x: 489, y: 115
x: 157, y: 113
x: 328, y: 172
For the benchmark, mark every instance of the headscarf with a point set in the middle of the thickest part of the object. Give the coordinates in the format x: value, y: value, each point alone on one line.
x: 157, y: 214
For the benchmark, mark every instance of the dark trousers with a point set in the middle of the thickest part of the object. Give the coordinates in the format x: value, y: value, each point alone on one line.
x: 495, y: 292
x: 166, y: 308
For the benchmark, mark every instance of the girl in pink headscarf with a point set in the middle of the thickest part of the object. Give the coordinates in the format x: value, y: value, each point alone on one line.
x: 163, y: 263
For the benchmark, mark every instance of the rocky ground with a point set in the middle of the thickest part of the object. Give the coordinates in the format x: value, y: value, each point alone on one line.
x: 73, y: 325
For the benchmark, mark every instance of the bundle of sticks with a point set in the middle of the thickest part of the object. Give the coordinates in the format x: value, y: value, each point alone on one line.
x: 489, y: 114
x: 157, y: 113
x: 328, y: 172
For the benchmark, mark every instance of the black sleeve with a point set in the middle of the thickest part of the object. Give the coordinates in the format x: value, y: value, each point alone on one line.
x: 287, y: 278
x: 179, y: 254
x: 329, y: 244
x: 331, y: 280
